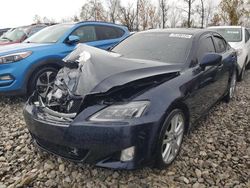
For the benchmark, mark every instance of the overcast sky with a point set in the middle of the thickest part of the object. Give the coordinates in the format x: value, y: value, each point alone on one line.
x: 21, y: 12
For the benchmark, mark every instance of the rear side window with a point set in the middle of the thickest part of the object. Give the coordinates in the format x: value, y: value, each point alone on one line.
x: 86, y: 33
x: 35, y: 30
x: 220, y: 44
x: 108, y: 32
x: 247, y: 35
x: 206, y: 45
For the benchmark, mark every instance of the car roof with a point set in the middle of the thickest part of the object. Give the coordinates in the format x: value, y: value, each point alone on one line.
x: 31, y: 26
x: 92, y: 22
x: 175, y: 30
x: 189, y: 31
x: 226, y: 26
x: 100, y: 22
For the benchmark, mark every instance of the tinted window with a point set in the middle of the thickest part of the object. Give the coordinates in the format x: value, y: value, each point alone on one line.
x: 247, y: 35
x: 220, y: 44
x: 35, y: 30
x: 86, y: 33
x: 230, y: 34
x: 162, y: 46
x: 108, y: 32
x: 50, y: 34
x: 206, y: 45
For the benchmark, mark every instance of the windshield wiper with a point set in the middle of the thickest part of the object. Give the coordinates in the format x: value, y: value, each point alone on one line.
x: 7, y: 39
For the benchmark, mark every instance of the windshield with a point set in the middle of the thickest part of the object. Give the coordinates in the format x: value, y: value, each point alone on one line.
x: 49, y: 35
x: 14, y: 35
x: 161, y: 46
x: 230, y: 34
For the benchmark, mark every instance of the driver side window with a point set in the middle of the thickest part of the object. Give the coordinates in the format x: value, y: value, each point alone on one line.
x: 85, y: 33
x: 206, y: 45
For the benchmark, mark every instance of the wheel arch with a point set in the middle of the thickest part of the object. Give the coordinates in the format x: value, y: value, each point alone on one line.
x: 176, y: 104
x: 179, y: 104
x: 56, y: 63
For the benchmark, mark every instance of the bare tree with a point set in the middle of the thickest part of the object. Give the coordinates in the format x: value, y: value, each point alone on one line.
x: 143, y: 13
x: 93, y: 10
x: 164, y: 7
x: 153, y: 17
x: 209, y: 11
x: 215, y: 20
x: 137, y: 15
x: 113, y: 8
x: 175, y: 15
x: 201, y: 11
x: 75, y: 18
x: 189, y: 2
x: 37, y: 19
x: 127, y: 16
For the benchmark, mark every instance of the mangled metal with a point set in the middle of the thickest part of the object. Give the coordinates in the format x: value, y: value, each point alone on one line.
x: 92, y: 75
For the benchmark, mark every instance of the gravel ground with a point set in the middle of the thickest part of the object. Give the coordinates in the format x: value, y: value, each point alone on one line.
x: 216, y: 154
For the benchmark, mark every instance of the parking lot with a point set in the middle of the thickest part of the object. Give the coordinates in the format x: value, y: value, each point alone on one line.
x: 215, y: 154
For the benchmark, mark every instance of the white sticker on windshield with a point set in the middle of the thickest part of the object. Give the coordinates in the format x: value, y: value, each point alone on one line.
x: 177, y: 35
x: 233, y: 32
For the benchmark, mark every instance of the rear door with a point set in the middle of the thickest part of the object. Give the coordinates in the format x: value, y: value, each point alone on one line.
x: 223, y: 49
x: 108, y: 36
x: 100, y: 36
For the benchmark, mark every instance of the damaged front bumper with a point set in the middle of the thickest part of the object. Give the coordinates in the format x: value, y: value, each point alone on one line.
x: 98, y: 143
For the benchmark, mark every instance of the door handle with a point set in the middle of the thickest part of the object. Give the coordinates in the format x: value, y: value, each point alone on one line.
x: 220, y: 66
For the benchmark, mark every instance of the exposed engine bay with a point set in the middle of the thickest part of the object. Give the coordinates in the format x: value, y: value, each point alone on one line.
x: 91, y: 76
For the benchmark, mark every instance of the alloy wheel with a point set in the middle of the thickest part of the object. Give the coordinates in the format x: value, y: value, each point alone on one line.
x: 173, y: 138
x: 44, y: 82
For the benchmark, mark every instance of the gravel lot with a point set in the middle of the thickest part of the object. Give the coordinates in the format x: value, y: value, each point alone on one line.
x: 216, y: 154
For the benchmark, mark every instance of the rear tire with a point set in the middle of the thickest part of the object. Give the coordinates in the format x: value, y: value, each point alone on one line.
x: 170, y: 138
x: 42, y: 80
x: 242, y: 74
x: 231, y: 87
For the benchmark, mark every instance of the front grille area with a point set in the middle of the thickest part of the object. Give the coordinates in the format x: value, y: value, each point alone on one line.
x: 74, y: 154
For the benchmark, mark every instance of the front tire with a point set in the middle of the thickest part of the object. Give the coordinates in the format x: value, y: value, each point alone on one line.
x: 170, y: 139
x: 42, y: 80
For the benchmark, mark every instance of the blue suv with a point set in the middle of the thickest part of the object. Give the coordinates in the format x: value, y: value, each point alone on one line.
x: 34, y: 63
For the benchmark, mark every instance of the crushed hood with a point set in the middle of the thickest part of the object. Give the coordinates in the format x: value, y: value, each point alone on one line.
x: 90, y: 70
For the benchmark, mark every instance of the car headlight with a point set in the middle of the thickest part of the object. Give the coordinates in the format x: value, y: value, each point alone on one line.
x: 121, y: 112
x: 11, y: 58
x: 239, y: 51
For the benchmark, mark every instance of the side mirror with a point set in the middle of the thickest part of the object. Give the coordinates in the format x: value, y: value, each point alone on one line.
x: 210, y: 59
x: 73, y: 39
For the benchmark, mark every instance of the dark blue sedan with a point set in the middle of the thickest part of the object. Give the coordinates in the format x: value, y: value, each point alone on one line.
x: 132, y: 106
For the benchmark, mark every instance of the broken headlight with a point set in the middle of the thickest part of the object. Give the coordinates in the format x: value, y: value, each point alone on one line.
x: 121, y: 112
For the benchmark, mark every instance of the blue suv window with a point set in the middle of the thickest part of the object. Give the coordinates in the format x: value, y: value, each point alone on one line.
x: 108, y: 32
x: 86, y: 34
